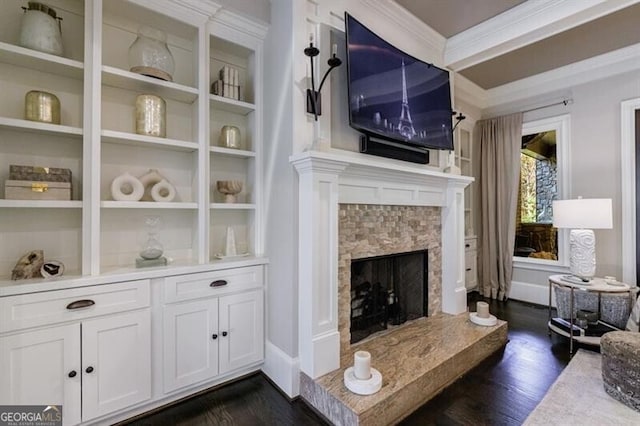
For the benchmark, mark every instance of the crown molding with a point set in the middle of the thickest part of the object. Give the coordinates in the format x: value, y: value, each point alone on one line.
x: 524, y: 24
x: 251, y: 27
x: 468, y: 91
x: 178, y: 9
x: 402, y: 18
x: 203, y: 7
x: 602, y: 66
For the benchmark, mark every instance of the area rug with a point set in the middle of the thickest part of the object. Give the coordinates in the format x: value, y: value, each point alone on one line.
x: 578, y: 398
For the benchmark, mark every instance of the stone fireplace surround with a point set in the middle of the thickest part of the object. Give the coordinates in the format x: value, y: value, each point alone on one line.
x: 328, y: 179
x: 367, y: 230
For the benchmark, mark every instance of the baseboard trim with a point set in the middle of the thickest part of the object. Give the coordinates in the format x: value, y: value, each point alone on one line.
x: 531, y: 293
x: 282, y: 370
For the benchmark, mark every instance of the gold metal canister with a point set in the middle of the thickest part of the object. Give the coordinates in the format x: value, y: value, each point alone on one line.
x: 151, y: 116
x: 42, y: 106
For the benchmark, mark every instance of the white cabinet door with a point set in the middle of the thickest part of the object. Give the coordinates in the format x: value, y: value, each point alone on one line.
x: 116, y: 363
x: 241, y: 330
x: 190, y: 343
x: 43, y: 368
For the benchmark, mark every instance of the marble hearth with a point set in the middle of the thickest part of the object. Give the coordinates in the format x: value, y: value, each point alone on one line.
x: 416, y: 361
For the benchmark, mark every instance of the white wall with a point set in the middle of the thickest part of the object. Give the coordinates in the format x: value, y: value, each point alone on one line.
x: 256, y: 8
x: 595, y: 168
x: 280, y: 183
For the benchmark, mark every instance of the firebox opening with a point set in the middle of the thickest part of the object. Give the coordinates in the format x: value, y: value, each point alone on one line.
x: 387, y: 290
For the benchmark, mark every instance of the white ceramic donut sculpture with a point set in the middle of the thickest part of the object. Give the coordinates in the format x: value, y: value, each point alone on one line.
x: 148, y: 180
x: 127, y: 188
x: 163, y: 191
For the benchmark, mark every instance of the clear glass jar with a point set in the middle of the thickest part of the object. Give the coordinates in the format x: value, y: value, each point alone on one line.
x: 149, y: 55
x: 41, y: 29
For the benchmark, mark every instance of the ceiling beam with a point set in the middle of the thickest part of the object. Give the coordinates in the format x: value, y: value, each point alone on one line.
x: 522, y: 25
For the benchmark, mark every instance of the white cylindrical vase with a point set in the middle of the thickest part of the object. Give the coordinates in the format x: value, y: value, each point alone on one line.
x: 362, y: 365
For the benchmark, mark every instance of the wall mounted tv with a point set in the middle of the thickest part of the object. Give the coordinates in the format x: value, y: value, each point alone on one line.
x: 394, y: 96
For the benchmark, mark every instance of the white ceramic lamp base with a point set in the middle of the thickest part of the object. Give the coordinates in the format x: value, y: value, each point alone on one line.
x: 363, y: 387
x: 582, y: 253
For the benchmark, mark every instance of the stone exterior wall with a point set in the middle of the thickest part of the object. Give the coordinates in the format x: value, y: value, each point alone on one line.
x: 546, y: 188
x: 374, y: 230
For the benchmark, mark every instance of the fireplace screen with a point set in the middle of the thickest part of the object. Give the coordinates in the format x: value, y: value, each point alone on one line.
x: 387, y: 290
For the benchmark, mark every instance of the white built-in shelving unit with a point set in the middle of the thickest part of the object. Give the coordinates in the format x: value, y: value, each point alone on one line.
x: 92, y: 234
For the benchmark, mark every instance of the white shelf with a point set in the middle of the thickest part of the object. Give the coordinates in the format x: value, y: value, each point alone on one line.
x: 231, y: 105
x: 147, y: 205
x: 41, y: 204
x: 128, y: 80
x: 232, y: 206
x: 40, y: 61
x: 38, y: 127
x: 230, y: 152
x: 133, y: 139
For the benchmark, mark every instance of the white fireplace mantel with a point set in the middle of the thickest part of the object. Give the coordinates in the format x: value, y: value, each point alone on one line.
x: 327, y: 179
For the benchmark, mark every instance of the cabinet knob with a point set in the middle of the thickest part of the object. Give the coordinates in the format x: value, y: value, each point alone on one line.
x: 467, y: 245
x: 72, y: 373
x: 214, y: 336
x: 468, y: 269
x: 89, y: 369
x: 224, y: 334
x: 84, y: 303
x: 218, y: 283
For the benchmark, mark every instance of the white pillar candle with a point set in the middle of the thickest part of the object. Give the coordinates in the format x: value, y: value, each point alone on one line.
x: 482, y: 309
x: 362, y: 365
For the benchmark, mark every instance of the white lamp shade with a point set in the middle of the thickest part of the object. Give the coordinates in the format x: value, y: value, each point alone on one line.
x: 583, y: 213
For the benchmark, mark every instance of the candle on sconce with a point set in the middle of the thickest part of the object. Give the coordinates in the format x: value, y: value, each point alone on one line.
x: 310, y: 37
x: 362, y: 365
x: 482, y: 309
x: 334, y: 49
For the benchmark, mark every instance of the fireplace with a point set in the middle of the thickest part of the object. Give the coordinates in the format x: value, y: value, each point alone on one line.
x: 353, y: 206
x: 387, y: 291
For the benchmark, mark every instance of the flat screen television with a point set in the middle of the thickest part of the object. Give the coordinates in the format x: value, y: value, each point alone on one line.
x: 394, y: 96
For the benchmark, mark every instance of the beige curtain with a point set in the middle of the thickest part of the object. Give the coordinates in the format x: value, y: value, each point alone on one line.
x: 497, y: 154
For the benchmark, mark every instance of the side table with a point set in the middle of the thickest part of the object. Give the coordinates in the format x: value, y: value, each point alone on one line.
x: 596, y: 285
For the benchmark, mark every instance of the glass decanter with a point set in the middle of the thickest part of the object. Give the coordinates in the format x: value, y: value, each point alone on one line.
x: 152, y: 248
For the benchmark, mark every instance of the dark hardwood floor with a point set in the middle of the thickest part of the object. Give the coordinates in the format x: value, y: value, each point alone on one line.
x: 501, y: 391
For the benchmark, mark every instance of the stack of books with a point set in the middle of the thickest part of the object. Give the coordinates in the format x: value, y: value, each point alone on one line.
x: 228, y: 84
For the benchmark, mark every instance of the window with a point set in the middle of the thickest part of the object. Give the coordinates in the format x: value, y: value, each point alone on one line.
x: 543, y: 178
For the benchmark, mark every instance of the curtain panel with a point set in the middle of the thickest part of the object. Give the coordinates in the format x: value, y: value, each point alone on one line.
x: 497, y: 155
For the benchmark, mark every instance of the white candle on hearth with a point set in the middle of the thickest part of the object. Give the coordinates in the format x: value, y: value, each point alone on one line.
x: 362, y: 365
x: 482, y: 309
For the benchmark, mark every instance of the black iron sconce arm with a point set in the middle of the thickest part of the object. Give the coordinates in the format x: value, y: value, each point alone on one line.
x: 314, y: 100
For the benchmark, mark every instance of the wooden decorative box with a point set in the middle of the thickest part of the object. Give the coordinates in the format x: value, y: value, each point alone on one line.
x: 36, y: 190
x: 35, y: 173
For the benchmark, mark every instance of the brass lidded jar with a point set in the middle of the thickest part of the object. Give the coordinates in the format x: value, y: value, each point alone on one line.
x: 42, y: 106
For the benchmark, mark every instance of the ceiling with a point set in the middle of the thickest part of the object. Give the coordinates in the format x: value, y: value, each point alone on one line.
x: 605, y: 32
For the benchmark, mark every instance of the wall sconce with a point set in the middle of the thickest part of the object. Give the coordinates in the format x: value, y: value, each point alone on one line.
x: 314, y: 101
x: 458, y: 118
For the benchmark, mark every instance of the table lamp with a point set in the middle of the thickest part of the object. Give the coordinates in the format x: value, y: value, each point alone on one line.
x: 581, y: 216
